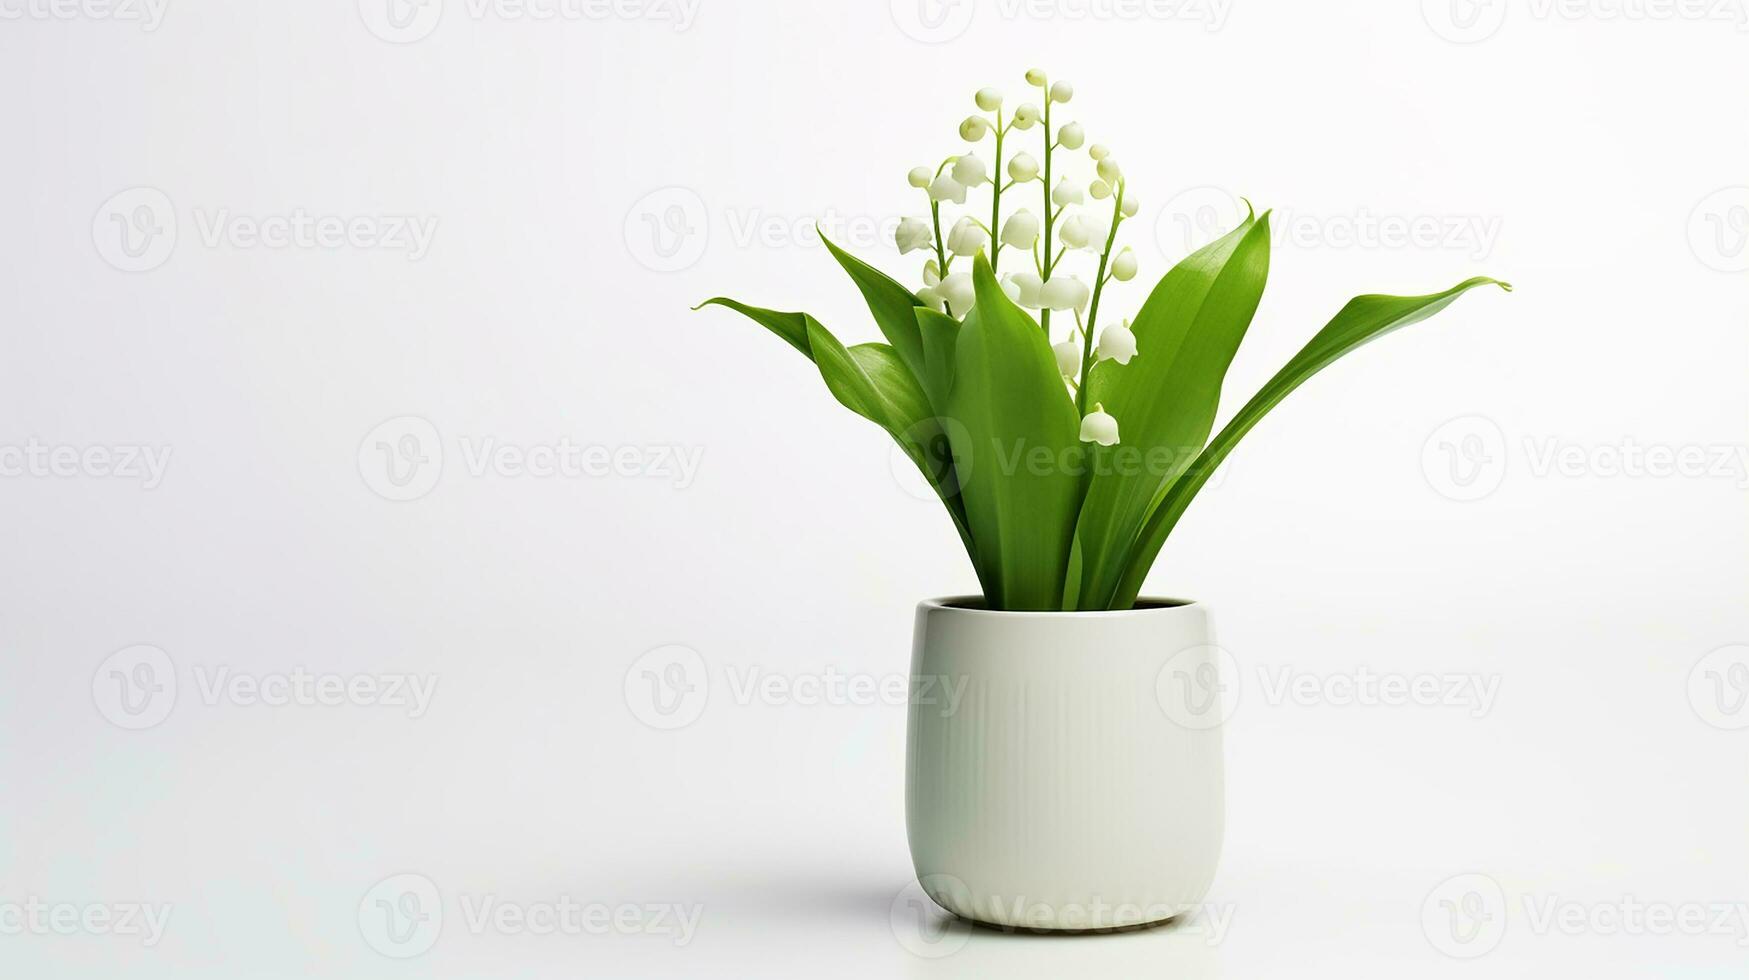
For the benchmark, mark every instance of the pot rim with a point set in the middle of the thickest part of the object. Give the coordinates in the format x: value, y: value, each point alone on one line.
x: 970, y: 605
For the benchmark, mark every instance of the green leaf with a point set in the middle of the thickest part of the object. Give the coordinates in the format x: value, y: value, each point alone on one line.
x: 792, y: 327
x: 1365, y: 318
x: 940, y: 338
x: 1015, y: 439
x: 1166, y: 398
x: 892, y: 305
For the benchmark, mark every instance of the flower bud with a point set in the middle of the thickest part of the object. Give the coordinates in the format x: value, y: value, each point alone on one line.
x: 1098, y: 152
x: 1099, y: 427
x: 967, y: 238
x: 1131, y: 204
x: 931, y: 273
x: 1027, y: 116
x: 969, y: 171
x: 1109, y: 171
x: 1020, y: 230
x: 1062, y: 91
x: 1123, y: 267
x: 1072, y: 136
x: 1035, y: 76
x: 913, y: 234
x: 920, y: 177
x: 945, y: 188
x: 1068, y: 357
x: 1064, y: 293
x: 1068, y: 192
x: 1075, y: 231
x: 1023, y: 167
x: 1099, y: 189
x: 959, y: 292
x: 974, y: 128
x: 988, y: 99
x: 1029, y: 286
x: 1117, y: 343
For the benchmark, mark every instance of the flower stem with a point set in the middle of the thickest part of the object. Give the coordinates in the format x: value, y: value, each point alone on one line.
x: 1050, y: 219
x: 1093, y: 307
x: 996, y: 198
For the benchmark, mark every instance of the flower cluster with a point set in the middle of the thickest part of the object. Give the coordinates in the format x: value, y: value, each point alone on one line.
x: 1069, y: 225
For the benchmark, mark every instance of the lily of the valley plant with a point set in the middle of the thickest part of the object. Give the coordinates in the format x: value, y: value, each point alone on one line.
x: 1065, y: 442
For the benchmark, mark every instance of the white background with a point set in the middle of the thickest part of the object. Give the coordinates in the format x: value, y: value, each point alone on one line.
x: 552, y: 304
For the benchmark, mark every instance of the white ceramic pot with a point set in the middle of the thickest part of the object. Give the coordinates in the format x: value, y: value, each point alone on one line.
x: 1072, y: 784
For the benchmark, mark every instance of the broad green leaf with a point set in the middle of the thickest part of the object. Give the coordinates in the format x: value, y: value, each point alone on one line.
x: 892, y: 305
x: 1365, y: 318
x: 1016, y: 443
x: 1165, y: 399
x: 940, y: 336
x: 870, y: 380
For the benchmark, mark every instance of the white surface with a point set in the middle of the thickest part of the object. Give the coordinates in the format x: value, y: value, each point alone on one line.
x: 1596, y: 147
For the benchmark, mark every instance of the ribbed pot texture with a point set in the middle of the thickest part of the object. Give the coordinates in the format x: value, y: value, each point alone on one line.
x: 1071, y: 784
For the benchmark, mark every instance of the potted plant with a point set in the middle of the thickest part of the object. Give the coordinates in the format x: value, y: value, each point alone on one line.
x: 1075, y: 787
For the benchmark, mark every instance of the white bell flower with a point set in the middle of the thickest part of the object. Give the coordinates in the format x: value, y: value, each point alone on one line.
x: 1035, y: 76
x: 1068, y: 357
x: 970, y: 171
x: 1027, y: 116
x: 1029, y: 286
x: 919, y: 177
x: 931, y: 297
x: 1020, y: 230
x: 1064, y: 293
x: 1099, y: 232
x: 967, y: 238
x: 974, y: 128
x: 1117, y: 343
x: 1010, y: 289
x: 1109, y: 171
x: 1099, y: 427
x: 945, y: 188
x: 988, y: 99
x: 1068, y: 192
x: 1062, y: 91
x: 1131, y: 204
x: 931, y: 273
x: 1072, y: 136
x: 1123, y: 267
x: 913, y: 234
x: 958, y: 291
x: 1022, y: 167
x: 1075, y: 231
